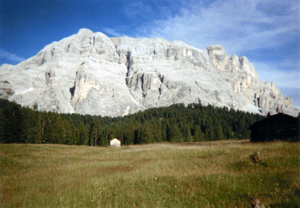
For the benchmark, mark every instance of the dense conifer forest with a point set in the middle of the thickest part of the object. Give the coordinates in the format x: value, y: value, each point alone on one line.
x: 176, y: 123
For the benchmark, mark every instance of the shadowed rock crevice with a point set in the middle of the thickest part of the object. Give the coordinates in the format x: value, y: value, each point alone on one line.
x: 128, y: 62
x: 72, y: 91
x: 49, y: 76
x: 161, y: 78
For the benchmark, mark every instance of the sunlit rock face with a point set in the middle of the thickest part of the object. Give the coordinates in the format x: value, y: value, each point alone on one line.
x: 89, y: 73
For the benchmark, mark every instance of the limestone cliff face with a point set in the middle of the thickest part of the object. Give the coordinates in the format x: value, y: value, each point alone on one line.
x: 89, y: 73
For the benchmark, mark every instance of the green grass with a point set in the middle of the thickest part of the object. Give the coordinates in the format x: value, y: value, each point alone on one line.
x: 207, y: 174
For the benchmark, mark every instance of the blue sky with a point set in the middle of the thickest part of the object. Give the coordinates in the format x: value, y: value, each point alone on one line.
x: 267, y: 32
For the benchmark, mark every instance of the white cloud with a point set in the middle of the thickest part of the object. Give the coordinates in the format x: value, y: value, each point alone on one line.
x: 136, y: 8
x: 153, y: 9
x: 113, y: 32
x: 257, y: 27
x: 10, y: 56
x: 235, y: 24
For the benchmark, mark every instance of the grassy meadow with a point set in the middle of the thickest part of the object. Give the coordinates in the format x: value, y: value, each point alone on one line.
x: 206, y: 174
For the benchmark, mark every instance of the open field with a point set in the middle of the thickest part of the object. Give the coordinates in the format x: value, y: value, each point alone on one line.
x: 207, y: 174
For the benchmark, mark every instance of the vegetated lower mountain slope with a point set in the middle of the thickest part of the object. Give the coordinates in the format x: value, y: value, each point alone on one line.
x: 176, y: 123
x: 89, y: 73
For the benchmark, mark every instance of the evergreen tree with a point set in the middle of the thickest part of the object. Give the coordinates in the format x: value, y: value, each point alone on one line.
x: 187, y: 133
x: 212, y: 134
x: 139, y: 135
x: 101, y: 140
x: 207, y: 135
x: 157, y: 131
x: 201, y: 136
x: 28, y: 127
x: 117, y: 132
x: 94, y: 132
x: 73, y: 135
x: 12, y: 125
x: 22, y: 125
x: 38, y: 129
x: 82, y: 135
x: 60, y: 130
x: 198, y: 134
x: 47, y: 129
x: 106, y: 142
x: 174, y: 134
x: 164, y: 130
x: 219, y: 133
x: 147, y: 134
x: 70, y: 132
x: 129, y: 133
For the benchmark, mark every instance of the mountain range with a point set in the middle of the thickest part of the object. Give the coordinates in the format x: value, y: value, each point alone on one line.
x: 90, y: 73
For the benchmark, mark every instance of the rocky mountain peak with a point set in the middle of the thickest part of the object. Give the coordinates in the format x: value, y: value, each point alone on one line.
x: 90, y: 73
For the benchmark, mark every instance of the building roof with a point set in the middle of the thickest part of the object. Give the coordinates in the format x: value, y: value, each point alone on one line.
x: 278, y: 119
x: 115, y: 139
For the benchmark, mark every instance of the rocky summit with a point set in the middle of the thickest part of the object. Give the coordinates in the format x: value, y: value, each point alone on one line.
x: 90, y: 73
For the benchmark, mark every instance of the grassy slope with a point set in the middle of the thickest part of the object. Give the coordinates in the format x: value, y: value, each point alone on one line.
x: 215, y: 174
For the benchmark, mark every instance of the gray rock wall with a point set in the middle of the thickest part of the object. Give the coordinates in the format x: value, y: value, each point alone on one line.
x: 89, y: 73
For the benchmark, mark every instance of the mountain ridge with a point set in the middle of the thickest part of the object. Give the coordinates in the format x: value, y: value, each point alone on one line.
x: 90, y: 73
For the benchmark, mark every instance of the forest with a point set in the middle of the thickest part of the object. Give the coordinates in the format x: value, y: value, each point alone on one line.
x: 175, y: 123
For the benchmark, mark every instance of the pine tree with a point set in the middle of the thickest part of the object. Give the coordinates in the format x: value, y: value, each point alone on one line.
x: 212, y: 134
x: 59, y: 130
x: 106, y: 142
x: 117, y: 132
x: 187, y: 133
x: 196, y: 135
x: 164, y: 130
x: 129, y: 133
x: 73, y: 135
x: 82, y: 135
x: 38, y: 128
x: 94, y: 132
x: 12, y: 125
x: 28, y: 126
x: 147, y: 134
x: 70, y: 132
x: 172, y: 124
x: 157, y: 131
x: 201, y: 136
x: 219, y: 132
x: 46, y: 129
x: 174, y: 134
x: 207, y: 135
x: 139, y: 135
x: 101, y: 140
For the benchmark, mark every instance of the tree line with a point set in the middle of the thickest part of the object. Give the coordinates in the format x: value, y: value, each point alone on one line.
x: 175, y: 123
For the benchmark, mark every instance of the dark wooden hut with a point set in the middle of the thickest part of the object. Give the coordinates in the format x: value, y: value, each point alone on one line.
x: 276, y: 127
